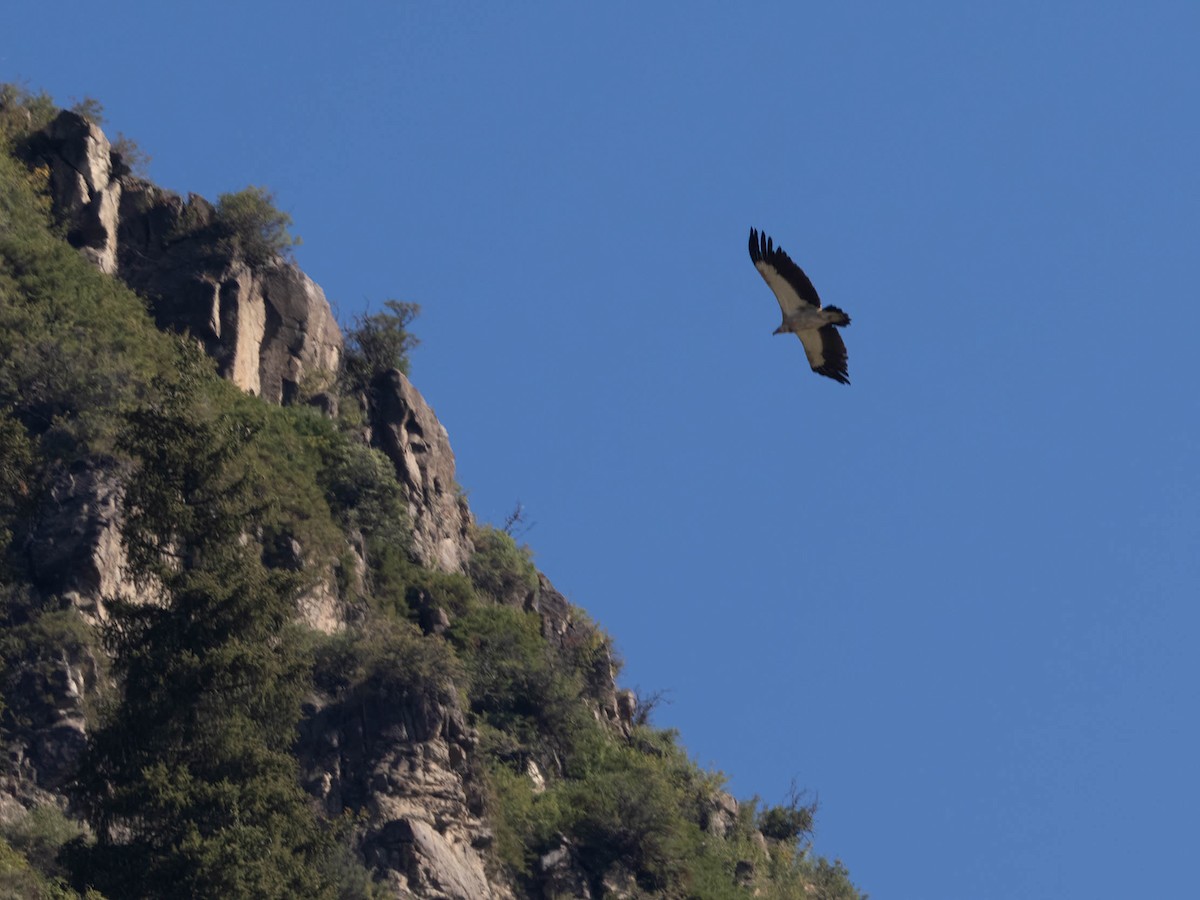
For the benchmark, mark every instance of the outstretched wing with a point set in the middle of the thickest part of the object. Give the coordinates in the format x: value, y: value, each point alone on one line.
x: 826, y: 352
x: 786, y: 280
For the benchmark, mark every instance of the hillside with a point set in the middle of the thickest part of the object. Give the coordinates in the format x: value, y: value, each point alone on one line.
x: 254, y: 642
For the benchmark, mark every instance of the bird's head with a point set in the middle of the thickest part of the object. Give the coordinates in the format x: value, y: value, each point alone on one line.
x: 780, y: 330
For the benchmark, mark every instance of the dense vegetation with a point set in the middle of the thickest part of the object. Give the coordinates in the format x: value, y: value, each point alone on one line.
x: 190, y: 784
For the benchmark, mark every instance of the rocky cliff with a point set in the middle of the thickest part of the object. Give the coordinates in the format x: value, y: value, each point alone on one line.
x: 422, y: 766
x: 269, y: 328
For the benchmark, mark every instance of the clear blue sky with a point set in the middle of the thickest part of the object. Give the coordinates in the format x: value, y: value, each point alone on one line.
x: 957, y: 599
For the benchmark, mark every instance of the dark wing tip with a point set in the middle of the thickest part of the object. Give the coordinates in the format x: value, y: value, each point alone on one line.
x: 756, y: 255
x: 763, y: 250
x: 838, y: 375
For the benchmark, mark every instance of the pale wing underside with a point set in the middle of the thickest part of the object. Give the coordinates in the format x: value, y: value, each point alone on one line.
x: 826, y: 352
x: 789, y: 300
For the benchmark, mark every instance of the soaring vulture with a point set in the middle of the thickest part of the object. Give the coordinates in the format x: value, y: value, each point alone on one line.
x: 803, y: 314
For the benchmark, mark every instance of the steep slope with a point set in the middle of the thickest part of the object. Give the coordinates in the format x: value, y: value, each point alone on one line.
x: 458, y: 727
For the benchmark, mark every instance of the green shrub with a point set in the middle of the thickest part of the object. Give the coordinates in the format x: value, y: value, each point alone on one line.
x: 91, y: 109
x: 634, y: 805
x: 77, y: 348
x: 40, y: 834
x: 588, y: 651
x: 23, y: 112
x: 289, y: 458
x: 426, y: 589
x: 129, y: 157
x: 378, y: 343
x: 830, y: 880
x: 16, y: 475
x: 386, y: 658
x: 789, y: 874
x: 790, y: 821
x: 515, y: 684
x: 254, y: 227
x: 500, y: 568
x: 526, y: 824
x: 615, y: 804
x: 359, y: 481
x: 399, y: 586
x: 626, y: 808
x: 36, y: 636
x: 21, y: 881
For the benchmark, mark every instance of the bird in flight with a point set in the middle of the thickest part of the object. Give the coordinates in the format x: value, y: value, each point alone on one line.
x: 816, y: 326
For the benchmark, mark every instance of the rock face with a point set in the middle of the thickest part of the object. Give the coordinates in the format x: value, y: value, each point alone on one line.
x: 269, y: 326
x: 85, y: 192
x: 43, y: 752
x: 402, y: 763
x: 76, y: 560
x: 405, y: 428
x: 75, y: 551
x: 564, y: 629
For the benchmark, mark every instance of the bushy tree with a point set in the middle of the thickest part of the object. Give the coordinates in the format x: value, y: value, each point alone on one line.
x: 129, y: 157
x: 790, y: 821
x: 22, y: 111
x: 500, y: 568
x: 16, y: 463
x: 38, y: 835
x: 20, y: 880
x: 189, y: 783
x: 516, y: 684
x: 253, y: 226
x: 378, y: 343
x: 90, y: 108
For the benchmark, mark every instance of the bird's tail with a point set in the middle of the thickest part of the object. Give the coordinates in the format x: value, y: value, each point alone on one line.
x: 839, y: 317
